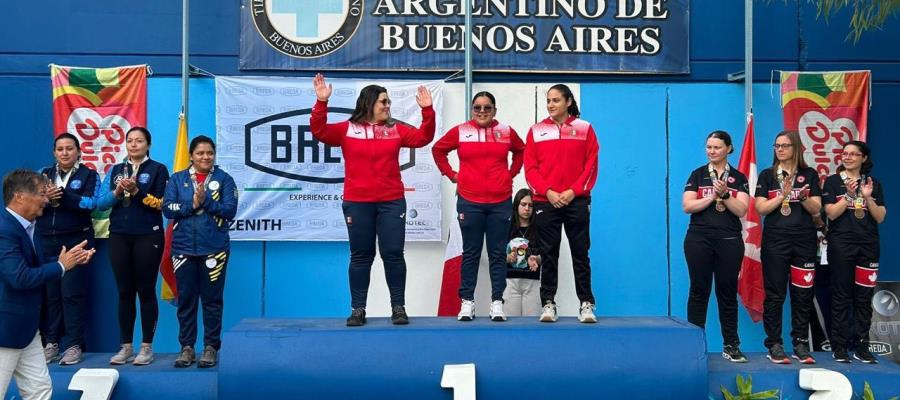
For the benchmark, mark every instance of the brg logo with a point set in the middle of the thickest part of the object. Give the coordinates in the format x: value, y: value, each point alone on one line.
x: 306, y: 28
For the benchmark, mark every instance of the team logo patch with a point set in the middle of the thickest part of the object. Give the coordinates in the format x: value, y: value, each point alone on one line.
x: 730, y: 179
x: 210, y: 263
x: 214, y: 185
x: 144, y: 178
x: 306, y: 29
x: 76, y: 184
x: 801, y: 179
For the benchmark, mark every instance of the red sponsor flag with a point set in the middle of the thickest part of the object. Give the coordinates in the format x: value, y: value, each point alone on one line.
x: 750, y: 279
x: 829, y: 109
x: 98, y: 106
x: 181, y: 161
x: 448, y: 303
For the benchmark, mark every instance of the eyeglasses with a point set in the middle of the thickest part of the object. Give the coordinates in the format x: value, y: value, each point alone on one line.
x: 385, y: 102
x: 782, y: 146
x: 483, y: 108
x: 854, y: 154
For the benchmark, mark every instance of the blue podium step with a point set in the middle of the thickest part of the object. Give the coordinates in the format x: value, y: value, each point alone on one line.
x: 159, y: 380
x: 634, y: 358
x: 883, y: 377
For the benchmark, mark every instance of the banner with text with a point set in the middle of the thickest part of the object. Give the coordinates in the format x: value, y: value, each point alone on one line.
x: 587, y: 36
x: 829, y: 109
x: 291, y: 185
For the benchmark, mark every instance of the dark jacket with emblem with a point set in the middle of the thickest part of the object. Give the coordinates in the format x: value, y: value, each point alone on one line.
x: 142, y: 216
x: 73, y: 214
x: 203, y: 230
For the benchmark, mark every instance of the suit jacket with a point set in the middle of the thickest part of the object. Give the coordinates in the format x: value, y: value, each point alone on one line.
x: 23, y: 274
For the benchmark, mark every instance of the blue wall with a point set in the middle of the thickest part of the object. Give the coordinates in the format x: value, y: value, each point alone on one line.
x: 651, y: 129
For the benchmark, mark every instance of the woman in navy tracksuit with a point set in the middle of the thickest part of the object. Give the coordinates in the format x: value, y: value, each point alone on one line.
x: 66, y: 221
x: 134, y: 190
x: 201, y: 200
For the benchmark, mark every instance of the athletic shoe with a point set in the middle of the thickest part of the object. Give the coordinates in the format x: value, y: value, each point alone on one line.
x: 357, y: 317
x: 72, y: 356
x: 398, y: 315
x: 209, y: 358
x: 466, y: 311
x: 863, y: 354
x: 733, y: 353
x: 549, y: 313
x: 801, y: 353
x: 125, y: 354
x: 145, y: 356
x: 497, y: 311
x: 586, y: 315
x: 840, y: 355
x: 186, y: 358
x: 777, y: 355
x: 51, y: 352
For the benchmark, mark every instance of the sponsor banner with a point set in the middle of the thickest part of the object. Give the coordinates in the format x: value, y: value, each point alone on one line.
x: 592, y: 36
x: 829, y: 109
x: 884, y: 335
x: 291, y: 185
x: 99, y: 105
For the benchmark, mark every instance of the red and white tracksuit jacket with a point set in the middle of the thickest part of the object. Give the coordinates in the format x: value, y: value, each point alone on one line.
x: 561, y: 157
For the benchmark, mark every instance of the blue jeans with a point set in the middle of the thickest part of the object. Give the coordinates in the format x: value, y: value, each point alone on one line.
x: 387, y: 221
x: 476, y: 222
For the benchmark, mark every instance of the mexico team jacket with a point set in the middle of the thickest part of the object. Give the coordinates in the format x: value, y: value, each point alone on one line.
x: 561, y: 157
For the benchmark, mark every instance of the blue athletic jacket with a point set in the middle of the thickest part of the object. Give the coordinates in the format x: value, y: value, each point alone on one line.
x: 203, y: 230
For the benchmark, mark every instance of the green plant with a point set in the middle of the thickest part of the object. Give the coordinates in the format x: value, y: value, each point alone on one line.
x: 868, y: 395
x: 745, y: 391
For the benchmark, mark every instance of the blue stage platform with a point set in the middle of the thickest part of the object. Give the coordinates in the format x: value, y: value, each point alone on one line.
x: 883, y: 377
x: 617, y: 358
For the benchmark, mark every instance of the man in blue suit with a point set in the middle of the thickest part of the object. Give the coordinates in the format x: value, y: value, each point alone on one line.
x: 23, y: 273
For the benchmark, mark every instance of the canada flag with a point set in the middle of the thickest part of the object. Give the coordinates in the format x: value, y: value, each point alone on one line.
x: 750, y: 279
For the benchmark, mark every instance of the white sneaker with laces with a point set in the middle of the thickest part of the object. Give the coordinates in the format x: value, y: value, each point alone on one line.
x: 466, y: 311
x: 125, y: 354
x: 145, y: 357
x: 497, y: 311
x: 549, y: 314
x: 586, y: 315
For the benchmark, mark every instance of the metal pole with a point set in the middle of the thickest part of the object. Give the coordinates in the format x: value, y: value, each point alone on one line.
x: 748, y: 57
x: 468, y: 67
x: 185, y: 62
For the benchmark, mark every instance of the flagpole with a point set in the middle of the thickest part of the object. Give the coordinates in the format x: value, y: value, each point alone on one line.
x: 748, y: 59
x: 468, y: 60
x: 185, y: 63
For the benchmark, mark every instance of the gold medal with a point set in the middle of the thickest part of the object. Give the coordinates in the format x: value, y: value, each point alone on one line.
x: 858, y: 210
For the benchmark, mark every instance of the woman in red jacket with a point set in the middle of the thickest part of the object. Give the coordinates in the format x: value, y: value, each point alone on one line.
x: 374, y: 203
x: 484, y: 184
x: 561, y: 167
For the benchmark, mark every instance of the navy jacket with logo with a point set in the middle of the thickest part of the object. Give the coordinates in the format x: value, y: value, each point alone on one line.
x: 203, y: 230
x: 142, y: 216
x: 75, y: 206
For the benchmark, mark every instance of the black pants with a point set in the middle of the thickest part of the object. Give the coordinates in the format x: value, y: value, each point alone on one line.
x: 788, y: 260
x: 65, y: 300
x: 200, y: 278
x: 854, y: 270
x: 710, y: 258
x: 387, y: 221
x: 478, y: 221
x: 576, y: 218
x: 135, y: 264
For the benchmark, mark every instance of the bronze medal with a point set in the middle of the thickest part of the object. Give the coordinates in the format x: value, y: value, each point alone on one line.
x: 720, y: 205
x: 859, y: 213
x: 785, y: 210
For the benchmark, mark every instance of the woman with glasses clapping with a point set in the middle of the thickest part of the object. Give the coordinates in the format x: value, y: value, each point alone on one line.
x: 484, y: 185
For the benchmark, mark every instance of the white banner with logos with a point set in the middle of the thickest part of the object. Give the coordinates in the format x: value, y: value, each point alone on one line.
x: 291, y: 185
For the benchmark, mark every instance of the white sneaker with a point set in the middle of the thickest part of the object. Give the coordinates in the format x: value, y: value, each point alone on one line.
x: 586, y: 315
x: 466, y: 311
x: 497, y: 311
x: 145, y: 357
x: 125, y: 354
x: 549, y: 313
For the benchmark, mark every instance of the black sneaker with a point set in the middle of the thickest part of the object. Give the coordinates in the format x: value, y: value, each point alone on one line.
x: 733, y: 353
x: 398, y: 315
x: 863, y: 354
x: 840, y: 355
x: 801, y: 353
x: 357, y: 317
x: 777, y: 355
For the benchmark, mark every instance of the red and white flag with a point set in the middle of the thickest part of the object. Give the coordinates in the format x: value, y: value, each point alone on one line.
x: 750, y: 280
x: 448, y: 303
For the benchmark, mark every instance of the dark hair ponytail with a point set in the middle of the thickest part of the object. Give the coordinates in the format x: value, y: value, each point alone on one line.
x: 67, y: 135
x: 723, y: 136
x: 146, y: 134
x: 567, y: 94
x: 867, y: 165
